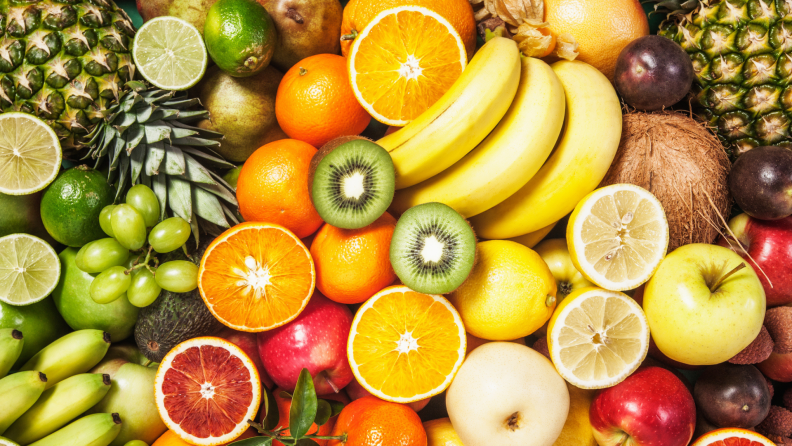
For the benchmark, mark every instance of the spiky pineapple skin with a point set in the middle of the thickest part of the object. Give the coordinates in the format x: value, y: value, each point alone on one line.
x: 65, y: 61
x: 742, y: 55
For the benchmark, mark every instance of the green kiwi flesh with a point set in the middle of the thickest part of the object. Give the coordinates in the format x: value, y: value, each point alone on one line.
x: 433, y: 249
x: 353, y: 184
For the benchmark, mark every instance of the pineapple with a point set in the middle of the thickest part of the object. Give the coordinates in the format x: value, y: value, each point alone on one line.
x: 69, y: 63
x: 742, y: 55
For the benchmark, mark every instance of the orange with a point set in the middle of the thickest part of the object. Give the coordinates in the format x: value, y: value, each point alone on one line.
x: 602, y: 28
x: 370, y: 421
x: 206, y: 390
x: 284, y: 406
x: 405, y: 346
x: 403, y: 61
x: 315, y: 102
x: 169, y: 438
x: 273, y: 187
x: 353, y: 264
x: 256, y: 276
x: 732, y: 437
x: 358, y: 14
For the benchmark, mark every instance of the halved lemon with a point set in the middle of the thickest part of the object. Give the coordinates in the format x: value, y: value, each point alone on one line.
x: 617, y: 236
x: 29, y: 269
x: 206, y: 390
x: 403, y: 61
x: 405, y: 346
x: 30, y: 154
x: 597, y: 338
x: 732, y: 437
x: 170, y: 53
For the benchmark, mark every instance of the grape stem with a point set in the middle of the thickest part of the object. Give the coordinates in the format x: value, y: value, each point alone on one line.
x: 145, y: 263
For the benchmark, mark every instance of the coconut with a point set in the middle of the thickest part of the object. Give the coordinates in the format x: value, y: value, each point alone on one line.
x: 684, y: 165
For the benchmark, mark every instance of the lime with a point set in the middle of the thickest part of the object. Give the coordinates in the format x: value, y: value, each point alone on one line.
x: 29, y: 269
x: 240, y: 36
x: 40, y: 323
x: 71, y: 206
x: 30, y: 154
x: 73, y: 300
x: 170, y: 53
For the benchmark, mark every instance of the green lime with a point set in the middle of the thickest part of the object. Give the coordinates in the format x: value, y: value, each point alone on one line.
x: 29, y: 269
x: 240, y: 36
x: 40, y: 323
x: 170, y: 53
x: 71, y: 206
x: 30, y: 154
x: 73, y: 300
x: 232, y: 176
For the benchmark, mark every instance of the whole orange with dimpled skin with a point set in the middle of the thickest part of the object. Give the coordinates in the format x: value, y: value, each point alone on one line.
x: 358, y: 14
x: 371, y: 421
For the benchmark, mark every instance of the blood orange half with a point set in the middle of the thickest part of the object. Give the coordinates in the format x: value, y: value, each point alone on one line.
x: 256, y: 276
x: 732, y: 437
x: 206, y: 390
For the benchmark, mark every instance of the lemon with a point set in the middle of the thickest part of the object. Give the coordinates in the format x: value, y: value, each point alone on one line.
x: 170, y: 53
x: 577, y: 428
x: 29, y: 269
x: 30, y: 154
x: 509, y: 294
x: 597, y: 338
x: 617, y: 236
x: 441, y: 433
x: 240, y: 36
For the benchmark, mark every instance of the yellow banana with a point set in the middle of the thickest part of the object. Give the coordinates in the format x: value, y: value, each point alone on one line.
x: 579, y: 162
x: 508, y: 158
x: 74, y: 353
x: 99, y: 429
x: 531, y: 239
x: 11, y: 342
x: 59, y: 405
x: 460, y: 119
x: 18, y: 392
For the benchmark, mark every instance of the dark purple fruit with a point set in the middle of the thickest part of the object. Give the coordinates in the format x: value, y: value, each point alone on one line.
x: 653, y: 72
x: 761, y: 182
x: 731, y: 395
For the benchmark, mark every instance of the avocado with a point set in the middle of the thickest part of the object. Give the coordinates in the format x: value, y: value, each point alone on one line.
x: 174, y: 317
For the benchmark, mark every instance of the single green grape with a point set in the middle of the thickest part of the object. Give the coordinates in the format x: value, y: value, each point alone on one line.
x: 142, y: 198
x: 100, y: 255
x: 104, y: 219
x: 129, y: 227
x: 177, y: 276
x: 136, y: 443
x: 169, y: 235
x: 111, y: 284
x: 144, y: 289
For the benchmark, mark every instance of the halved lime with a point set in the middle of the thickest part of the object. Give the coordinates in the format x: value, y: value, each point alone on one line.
x: 30, y: 154
x: 29, y: 269
x: 170, y: 53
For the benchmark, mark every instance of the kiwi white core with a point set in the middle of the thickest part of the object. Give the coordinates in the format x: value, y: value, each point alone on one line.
x: 353, y: 185
x: 433, y: 249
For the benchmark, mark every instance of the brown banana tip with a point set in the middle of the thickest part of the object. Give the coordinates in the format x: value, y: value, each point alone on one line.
x: 16, y: 334
x: 106, y: 337
x: 116, y: 418
x: 42, y: 377
x: 106, y: 379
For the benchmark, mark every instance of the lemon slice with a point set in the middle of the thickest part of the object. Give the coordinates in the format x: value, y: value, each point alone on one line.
x: 29, y: 269
x: 170, y: 53
x: 30, y: 154
x: 597, y: 338
x: 617, y: 236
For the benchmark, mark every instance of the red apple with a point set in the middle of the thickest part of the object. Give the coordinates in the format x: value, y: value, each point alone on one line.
x: 356, y: 391
x: 248, y: 342
x: 315, y: 340
x: 652, y: 407
x: 777, y: 367
x: 768, y: 248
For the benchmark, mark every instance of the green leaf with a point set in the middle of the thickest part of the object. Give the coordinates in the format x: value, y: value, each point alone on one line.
x: 208, y: 207
x: 157, y: 131
x: 195, y: 172
x: 306, y: 442
x: 303, y: 407
x: 255, y: 441
x: 154, y: 157
x: 271, y: 415
x: 174, y: 161
x: 323, y: 412
x: 337, y: 407
x: 180, y: 198
x: 285, y: 394
x: 137, y: 157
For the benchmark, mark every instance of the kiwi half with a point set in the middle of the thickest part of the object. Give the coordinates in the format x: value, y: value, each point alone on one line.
x: 433, y: 249
x: 352, y: 184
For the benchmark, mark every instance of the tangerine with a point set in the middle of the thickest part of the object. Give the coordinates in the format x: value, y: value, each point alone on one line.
x: 370, y: 421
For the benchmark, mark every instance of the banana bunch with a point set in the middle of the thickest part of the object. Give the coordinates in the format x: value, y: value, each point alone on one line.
x: 42, y: 402
x: 513, y: 171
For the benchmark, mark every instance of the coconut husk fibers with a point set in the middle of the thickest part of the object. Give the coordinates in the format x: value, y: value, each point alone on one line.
x: 683, y: 165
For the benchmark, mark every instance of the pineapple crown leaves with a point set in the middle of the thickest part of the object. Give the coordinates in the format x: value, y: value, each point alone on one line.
x: 147, y: 138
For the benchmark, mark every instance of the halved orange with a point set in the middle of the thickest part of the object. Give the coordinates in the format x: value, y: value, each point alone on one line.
x: 206, y: 390
x: 403, y: 61
x: 732, y: 437
x: 256, y: 277
x: 405, y: 346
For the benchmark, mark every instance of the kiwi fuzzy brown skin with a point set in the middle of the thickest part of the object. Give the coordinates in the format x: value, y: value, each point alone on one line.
x: 325, y: 150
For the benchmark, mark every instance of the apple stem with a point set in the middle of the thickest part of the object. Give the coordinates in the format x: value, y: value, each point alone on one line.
x: 330, y: 382
x: 726, y: 276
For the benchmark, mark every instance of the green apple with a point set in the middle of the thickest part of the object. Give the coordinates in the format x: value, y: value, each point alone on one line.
x: 704, y: 304
x: 131, y: 395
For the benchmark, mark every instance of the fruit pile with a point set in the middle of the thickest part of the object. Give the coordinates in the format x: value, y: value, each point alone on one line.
x: 395, y: 222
